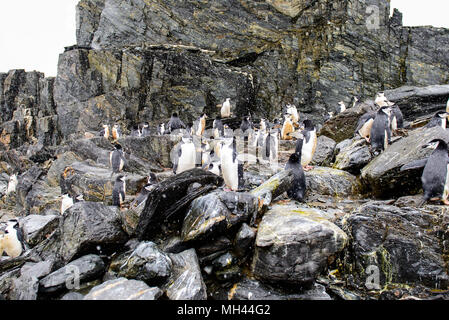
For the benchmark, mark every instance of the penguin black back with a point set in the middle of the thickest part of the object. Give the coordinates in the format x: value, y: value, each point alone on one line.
x: 298, y: 189
x: 434, y: 177
x: 175, y: 123
x: 381, y: 131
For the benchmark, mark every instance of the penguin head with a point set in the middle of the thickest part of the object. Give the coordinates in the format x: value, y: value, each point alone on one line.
x: 120, y: 178
x: 228, y: 99
x: 294, y: 158
x: 218, y: 118
x: 435, y: 143
x: 117, y: 146
x: 441, y: 114
x: 308, y: 125
x: 204, y: 116
x: 174, y: 115
x: 79, y: 197
x: 386, y: 110
x: 152, y: 178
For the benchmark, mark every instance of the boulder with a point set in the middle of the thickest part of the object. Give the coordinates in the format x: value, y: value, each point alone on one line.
x: 353, y: 155
x: 26, y: 286
x: 324, y: 152
x: 250, y: 289
x: 63, y: 160
x: 186, y: 281
x: 123, y: 289
x: 294, y: 243
x: 244, y: 239
x: 382, y: 176
x: 81, y: 270
x: 331, y: 182
x: 396, y: 245
x: 146, y: 263
x: 42, y: 198
x: 217, y: 212
x: 87, y: 225
x: 36, y: 228
x: 170, y: 198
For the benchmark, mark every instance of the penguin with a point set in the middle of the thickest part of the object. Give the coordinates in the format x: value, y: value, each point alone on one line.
x: 287, y: 128
x: 66, y: 202
x: 215, y: 166
x: 184, y: 155
x: 145, y: 131
x: 161, y: 129
x: 364, y: 125
x: 396, y: 118
x: 218, y: 127
x: 105, y: 131
x: 435, y: 176
x: 226, y: 108
x: 116, y: 132
x: 298, y: 189
x: 175, y: 123
x: 231, y: 169
x: 341, y: 107
x: 12, y: 240
x: 308, y: 145
x: 117, y: 159
x: 355, y: 101
x: 12, y: 184
x: 293, y: 112
x: 380, y: 134
x: 270, y: 147
x: 263, y: 125
x: 328, y: 116
x: 218, y: 145
x: 438, y: 120
x: 246, y: 125
x: 201, y: 125
x: 205, y: 154
x: 143, y: 195
x: 135, y: 131
x: 119, y: 191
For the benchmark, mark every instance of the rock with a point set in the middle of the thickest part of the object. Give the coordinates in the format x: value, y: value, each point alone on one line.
x: 293, y: 244
x: 353, y: 155
x: 170, y: 197
x: 255, y: 290
x: 84, y: 269
x: 6, y: 280
x: 332, y: 182
x: 26, y: 182
x: 63, y: 160
x: 26, y: 286
x: 186, y: 281
x: 123, y: 289
x: 400, y: 245
x: 86, y: 225
x: 382, y: 176
x: 43, y: 198
x: 36, y: 227
x: 224, y: 261
x: 72, y: 296
x: 217, y: 212
x: 415, y: 102
x: 324, y: 151
x: 244, y: 239
x: 146, y: 263
x: 95, y: 183
x: 274, y: 187
x: 343, y: 125
x: 212, y: 249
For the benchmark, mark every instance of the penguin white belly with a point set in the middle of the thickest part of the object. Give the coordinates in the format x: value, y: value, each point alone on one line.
x: 446, y: 186
x: 229, y: 169
x: 12, y: 246
x: 215, y: 169
x: 443, y: 123
x: 122, y: 164
x: 188, y: 158
x: 66, y: 204
x: 308, y: 151
x: 12, y: 185
x: 386, y: 140
x: 394, y: 124
x: 365, y: 131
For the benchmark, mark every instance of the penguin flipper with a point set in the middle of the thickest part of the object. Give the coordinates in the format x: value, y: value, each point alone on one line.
x: 414, y: 165
x: 240, y: 174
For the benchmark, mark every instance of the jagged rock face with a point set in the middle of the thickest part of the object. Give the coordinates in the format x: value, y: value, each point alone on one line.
x: 313, y: 54
x: 134, y: 85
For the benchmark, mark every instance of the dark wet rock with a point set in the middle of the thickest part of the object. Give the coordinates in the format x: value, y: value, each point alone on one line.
x: 83, y: 269
x: 146, y: 263
x: 249, y: 289
x: 383, y: 177
x: 213, y: 248
x: 293, y: 244
x: 244, y: 239
x: 415, y: 102
x: 332, y: 182
x: 170, y: 198
x: 217, y: 212
x: 123, y: 289
x: 402, y: 245
x: 353, y: 155
x: 174, y: 245
x: 37, y: 227
x: 186, y: 281
x: 408, y: 201
x: 6, y: 279
x: 324, y: 151
x: 86, y: 225
x: 342, y: 126
x: 224, y: 261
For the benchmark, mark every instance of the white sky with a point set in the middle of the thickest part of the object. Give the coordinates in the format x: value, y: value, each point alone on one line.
x: 34, y: 32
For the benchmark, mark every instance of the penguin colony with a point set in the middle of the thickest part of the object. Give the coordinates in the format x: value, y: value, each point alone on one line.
x: 219, y: 155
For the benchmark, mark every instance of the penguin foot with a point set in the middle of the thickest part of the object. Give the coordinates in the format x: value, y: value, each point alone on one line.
x: 308, y: 168
x: 446, y: 202
x: 367, y: 139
